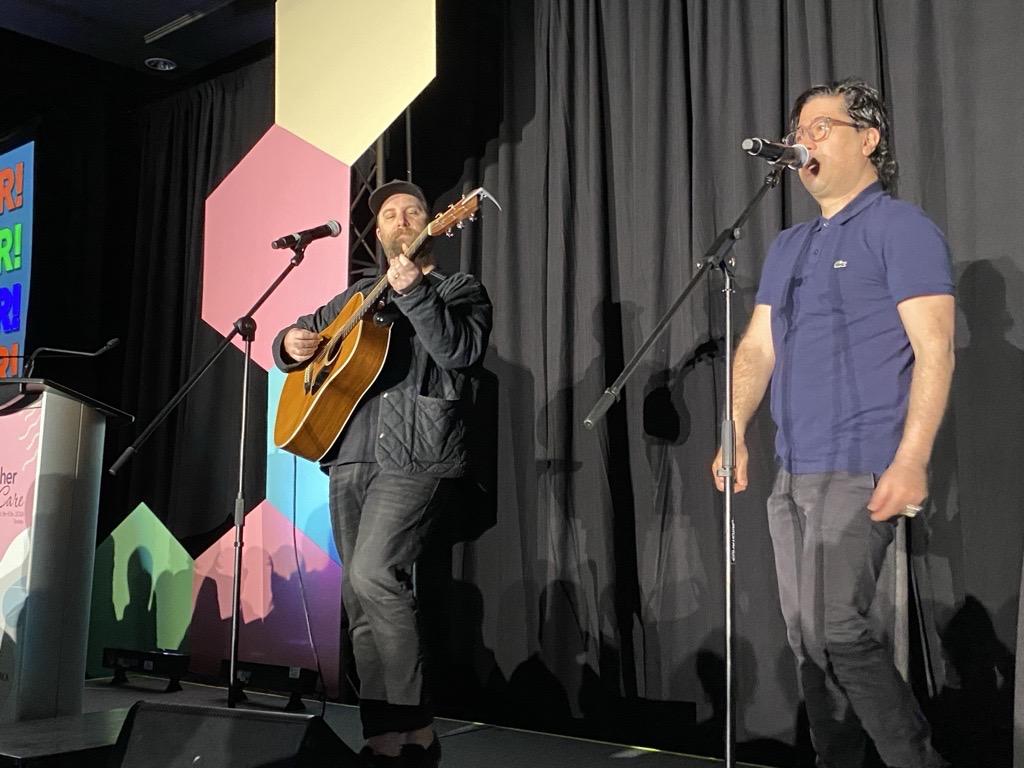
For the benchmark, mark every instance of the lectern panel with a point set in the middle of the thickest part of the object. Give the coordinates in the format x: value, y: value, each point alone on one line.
x: 51, y: 453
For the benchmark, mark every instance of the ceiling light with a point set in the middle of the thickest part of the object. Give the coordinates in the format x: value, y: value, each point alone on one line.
x: 184, y: 21
x: 160, y: 64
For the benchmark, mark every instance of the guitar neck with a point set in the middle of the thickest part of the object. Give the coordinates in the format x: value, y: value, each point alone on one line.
x: 418, y: 246
x: 416, y: 249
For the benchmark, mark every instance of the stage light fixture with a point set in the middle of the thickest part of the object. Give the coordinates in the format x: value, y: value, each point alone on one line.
x: 294, y: 681
x: 159, y: 663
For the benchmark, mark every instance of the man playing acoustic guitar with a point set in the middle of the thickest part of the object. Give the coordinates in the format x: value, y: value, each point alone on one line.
x: 392, y: 464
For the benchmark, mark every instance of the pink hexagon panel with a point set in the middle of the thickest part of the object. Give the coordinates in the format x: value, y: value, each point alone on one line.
x: 282, y: 186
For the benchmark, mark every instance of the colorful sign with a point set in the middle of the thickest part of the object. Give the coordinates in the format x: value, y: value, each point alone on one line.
x: 18, y: 459
x: 18, y: 455
x: 16, y: 194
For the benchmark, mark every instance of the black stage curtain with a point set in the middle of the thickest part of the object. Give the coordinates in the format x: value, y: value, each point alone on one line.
x: 187, y: 471
x: 596, y: 598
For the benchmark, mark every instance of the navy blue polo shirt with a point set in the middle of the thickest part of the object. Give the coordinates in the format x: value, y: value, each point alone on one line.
x: 843, y: 362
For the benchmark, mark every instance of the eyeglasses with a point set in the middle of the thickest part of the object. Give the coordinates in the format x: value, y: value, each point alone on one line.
x: 818, y: 130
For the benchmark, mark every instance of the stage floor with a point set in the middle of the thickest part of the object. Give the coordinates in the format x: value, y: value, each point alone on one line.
x: 84, y: 741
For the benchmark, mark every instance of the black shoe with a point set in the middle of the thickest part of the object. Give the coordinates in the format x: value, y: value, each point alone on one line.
x: 374, y: 760
x: 415, y: 756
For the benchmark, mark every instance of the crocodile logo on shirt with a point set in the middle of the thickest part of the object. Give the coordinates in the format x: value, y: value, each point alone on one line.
x: 839, y: 264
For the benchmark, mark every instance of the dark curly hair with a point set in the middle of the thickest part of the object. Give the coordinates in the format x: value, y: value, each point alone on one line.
x: 864, y: 105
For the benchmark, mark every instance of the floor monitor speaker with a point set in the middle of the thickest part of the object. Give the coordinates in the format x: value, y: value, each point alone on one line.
x: 158, y: 735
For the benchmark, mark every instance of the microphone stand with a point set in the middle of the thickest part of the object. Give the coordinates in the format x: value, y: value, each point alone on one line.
x: 246, y: 326
x: 716, y: 256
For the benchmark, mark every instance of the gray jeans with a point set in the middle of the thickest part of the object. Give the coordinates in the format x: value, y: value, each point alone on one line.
x: 380, y: 519
x: 828, y: 555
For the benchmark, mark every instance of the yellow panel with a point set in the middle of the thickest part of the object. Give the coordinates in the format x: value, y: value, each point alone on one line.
x: 347, y: 68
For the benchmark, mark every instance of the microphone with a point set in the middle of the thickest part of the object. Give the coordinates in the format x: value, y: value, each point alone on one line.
x: 54, y: 352
x: 777, y: 154
x: 330, y: 229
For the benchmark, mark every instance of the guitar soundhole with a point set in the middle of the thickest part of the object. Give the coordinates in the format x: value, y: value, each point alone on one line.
x: 321, y: 377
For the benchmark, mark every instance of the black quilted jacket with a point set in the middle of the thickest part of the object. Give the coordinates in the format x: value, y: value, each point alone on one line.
x: 422, y: 418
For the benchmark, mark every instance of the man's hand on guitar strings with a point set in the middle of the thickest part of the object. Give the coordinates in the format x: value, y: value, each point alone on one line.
x: 300, y: 344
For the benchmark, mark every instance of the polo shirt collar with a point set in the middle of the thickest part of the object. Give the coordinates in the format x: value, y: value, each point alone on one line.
x: 867, y: 196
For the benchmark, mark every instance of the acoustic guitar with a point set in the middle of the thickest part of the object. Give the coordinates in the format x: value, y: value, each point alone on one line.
x: 317, y: 401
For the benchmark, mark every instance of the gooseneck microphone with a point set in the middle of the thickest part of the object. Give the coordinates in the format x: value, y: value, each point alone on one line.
x: 792, y: 157
x: 55, y: 352
x: 330, y: 229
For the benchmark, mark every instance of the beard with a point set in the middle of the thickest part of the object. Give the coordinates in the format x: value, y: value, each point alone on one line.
x: 393, y: 245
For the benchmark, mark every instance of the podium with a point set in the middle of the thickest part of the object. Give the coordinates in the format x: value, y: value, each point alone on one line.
x: 51, y: 448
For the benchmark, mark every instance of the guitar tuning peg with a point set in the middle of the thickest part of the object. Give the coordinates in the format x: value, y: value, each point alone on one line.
x: 472, y: 217
x: 449, y: 233
x: 461, y: 224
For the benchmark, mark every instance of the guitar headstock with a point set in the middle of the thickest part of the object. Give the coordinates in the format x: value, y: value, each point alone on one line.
x: 455, y: 215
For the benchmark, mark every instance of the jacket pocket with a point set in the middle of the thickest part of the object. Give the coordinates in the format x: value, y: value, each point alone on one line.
x: 439, y: 436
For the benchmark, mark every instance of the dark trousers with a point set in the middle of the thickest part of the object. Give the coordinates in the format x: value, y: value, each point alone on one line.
x: 828, y: 555
x: 380, y: 519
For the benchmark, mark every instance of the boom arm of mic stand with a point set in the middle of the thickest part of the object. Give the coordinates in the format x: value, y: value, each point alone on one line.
x: 299, y: 253
x: 612, y: 393
x: 132, y: 449
x: 725, y: 240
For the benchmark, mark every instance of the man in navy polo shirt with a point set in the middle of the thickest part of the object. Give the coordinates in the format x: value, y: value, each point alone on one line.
x: 853, y: 327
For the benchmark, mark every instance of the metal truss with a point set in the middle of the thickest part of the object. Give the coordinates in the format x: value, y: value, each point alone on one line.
x: 365, y: 257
